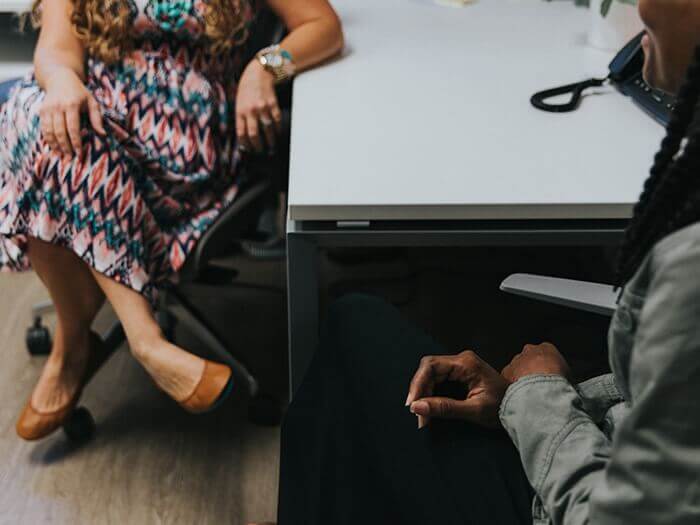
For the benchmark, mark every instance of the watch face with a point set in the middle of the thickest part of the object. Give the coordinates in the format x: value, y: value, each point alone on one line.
x: 275, y: 60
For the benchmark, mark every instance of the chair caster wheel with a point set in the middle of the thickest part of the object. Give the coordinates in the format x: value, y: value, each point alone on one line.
x: 38, y: 338
x: 265, y: 411
x: 80, y: 426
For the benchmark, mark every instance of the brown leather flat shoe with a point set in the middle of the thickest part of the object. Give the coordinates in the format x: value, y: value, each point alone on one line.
x: 213, y: 388
x: 34, y: 424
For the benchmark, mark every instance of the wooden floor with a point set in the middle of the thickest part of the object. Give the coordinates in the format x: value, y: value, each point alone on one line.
x: 150, y: 463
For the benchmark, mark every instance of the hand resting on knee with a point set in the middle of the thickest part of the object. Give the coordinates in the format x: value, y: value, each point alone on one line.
x: 485, y: 386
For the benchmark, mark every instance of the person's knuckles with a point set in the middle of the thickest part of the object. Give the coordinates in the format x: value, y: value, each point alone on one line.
x: 469, y: 357
x: 464, y: 365
x: 441, y: 407
x: 550, y: 347
x: 427, y: 361
x: 71, y: 105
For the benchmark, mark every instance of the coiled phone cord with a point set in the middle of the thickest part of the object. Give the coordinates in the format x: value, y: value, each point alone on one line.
x: 539, y: 99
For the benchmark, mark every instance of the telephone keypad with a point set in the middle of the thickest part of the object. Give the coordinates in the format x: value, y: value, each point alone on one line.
x: 657, y: 103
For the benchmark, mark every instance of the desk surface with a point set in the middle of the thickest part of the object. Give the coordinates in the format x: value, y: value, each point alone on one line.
x: 14, y: 6
x: 427, y: 116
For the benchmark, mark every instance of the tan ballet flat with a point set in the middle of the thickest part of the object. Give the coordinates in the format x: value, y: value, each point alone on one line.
x: 34, y: 424
x: 213, y: 388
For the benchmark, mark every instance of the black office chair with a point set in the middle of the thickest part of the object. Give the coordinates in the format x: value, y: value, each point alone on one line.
x: 264, y: 177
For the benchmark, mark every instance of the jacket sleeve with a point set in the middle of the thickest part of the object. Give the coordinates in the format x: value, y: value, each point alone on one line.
x: 563, y: 451
x: 650, y: 475
x: 653, y: 476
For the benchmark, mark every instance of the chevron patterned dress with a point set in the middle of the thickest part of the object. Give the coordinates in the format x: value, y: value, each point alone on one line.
x: 131, y: 204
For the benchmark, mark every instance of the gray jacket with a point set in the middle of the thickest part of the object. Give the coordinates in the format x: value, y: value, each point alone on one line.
x: 624, y: 448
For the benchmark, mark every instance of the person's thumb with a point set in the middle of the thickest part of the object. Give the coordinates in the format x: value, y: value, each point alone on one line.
x: 444, y: 407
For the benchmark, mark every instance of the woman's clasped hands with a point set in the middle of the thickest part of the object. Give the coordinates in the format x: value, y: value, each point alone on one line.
x: 486, y: 388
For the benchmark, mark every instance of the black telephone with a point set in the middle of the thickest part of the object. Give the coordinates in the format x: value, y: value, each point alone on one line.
x: 626, y: 76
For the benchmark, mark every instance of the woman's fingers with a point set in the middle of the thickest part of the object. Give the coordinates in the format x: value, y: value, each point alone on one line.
x: 434, y: 370
x: 258, y: 122
x: 431, y: 371
x: 253, y: 130
x: 446, y: 408
x: 61, y: 132
x: 276, y: 114
x: 242, y: 133
x: 268, y: 126
x: 421, y: 379
x: 47, y: 130
x: 72, y: 117
x: 95, y: 116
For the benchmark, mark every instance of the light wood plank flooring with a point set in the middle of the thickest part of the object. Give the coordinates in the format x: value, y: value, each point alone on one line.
x: 149, y: 464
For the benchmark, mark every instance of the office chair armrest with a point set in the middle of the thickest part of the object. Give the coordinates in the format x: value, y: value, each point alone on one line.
x: 235, y: 220
x: 590, y: 297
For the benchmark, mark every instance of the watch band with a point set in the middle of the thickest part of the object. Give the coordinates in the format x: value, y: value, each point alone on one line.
x: 277, y: 61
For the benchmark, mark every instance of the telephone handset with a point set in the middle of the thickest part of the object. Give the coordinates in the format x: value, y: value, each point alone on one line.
x: 625, y: 75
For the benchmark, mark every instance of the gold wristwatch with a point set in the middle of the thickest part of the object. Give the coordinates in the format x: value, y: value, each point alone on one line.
x: 278, y: 62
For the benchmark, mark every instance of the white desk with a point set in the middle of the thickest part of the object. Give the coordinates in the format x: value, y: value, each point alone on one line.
x: 430, y: 110
x: 423, y: 135
x: 15, y: 6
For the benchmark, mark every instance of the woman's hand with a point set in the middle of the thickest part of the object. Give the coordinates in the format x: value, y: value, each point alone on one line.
x: 486, y: 390
x: 542, y: 359
x: 257, y: 110
x: 66, y: 98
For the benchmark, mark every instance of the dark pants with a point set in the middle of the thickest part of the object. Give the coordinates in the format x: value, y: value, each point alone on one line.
x: 351, y: 451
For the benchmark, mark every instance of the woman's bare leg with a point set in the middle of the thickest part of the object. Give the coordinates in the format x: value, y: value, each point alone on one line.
x: 77, y: 300
x: 174, y: 370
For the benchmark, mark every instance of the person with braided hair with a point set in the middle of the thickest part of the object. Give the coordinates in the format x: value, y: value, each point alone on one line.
x: 619, y: 449
x: 119, y: 151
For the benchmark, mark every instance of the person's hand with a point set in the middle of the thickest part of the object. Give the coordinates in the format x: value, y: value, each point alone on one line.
x: 536, y: 360
x: 66, y: 98
x: 486, y: 388
x: 258, y: 113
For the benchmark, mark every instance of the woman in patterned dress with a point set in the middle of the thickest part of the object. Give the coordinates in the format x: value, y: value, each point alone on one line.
x: 118, y: 153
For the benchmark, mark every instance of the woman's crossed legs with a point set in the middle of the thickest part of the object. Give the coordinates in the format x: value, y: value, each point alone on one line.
x: 351, y: 450
x: 78, y: 292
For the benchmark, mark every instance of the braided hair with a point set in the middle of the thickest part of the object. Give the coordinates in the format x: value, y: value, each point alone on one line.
x: 671, y: 196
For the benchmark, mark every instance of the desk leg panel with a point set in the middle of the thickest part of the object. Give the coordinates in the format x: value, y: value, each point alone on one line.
x: 303, y: 245
x: 303, y: 297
